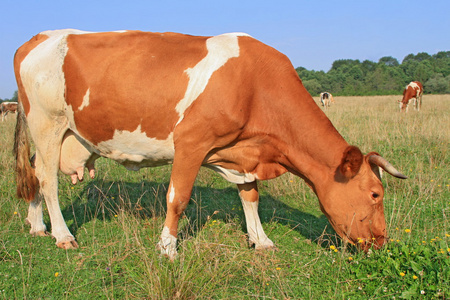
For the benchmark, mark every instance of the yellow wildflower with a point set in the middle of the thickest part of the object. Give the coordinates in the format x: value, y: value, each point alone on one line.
x: 332, y: 247
x: 407, y: 230
x: 415, y: 277
x: 56, y: 274
x: 350, y: 258
x: 15, y: 212
x: 402, y: 274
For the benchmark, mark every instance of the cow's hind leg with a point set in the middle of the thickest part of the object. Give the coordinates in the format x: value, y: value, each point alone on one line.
x: 47, y: 135
x: 249, y: 195
x: 35, y: 217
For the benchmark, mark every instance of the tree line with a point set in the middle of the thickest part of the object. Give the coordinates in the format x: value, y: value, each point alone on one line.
x: 349, y: 77
x: 13, y: 99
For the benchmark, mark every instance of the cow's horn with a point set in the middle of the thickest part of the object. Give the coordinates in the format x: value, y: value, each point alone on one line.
x: 385, y: 165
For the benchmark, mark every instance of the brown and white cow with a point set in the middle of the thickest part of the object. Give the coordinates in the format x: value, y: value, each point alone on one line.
x: 227, y: 102
x: 6, y: 108
x: 326, y: 99
x: 412, y: 93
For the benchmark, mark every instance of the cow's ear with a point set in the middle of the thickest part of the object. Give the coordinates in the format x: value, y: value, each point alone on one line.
x: 351, y: 162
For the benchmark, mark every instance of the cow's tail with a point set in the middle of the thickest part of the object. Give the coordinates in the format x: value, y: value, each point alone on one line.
x: 27, y: 182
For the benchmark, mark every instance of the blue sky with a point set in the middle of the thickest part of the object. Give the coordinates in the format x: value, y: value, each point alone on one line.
x: 312, y: 34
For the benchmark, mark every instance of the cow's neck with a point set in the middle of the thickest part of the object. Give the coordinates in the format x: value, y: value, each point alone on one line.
x: 311, y: 146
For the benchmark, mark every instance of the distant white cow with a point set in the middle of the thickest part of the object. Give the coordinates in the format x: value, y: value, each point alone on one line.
x: 326, y: 99
x: 7, y: 107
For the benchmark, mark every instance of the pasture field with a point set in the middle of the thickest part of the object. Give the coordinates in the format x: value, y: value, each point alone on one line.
x: 118, y: 216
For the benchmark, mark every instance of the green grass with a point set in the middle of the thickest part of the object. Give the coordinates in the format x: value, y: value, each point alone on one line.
x: 117, y: 219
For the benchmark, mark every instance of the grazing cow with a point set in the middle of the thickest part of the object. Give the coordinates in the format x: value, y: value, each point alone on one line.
x: 412, y: 93
x: 326, y: 99
x: 7, y: 107
x: 227, y: 102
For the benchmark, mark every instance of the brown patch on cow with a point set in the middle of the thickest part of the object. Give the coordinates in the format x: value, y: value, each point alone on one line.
x: 132, y: 78
x: 20, y: 55
x: 351, y: 162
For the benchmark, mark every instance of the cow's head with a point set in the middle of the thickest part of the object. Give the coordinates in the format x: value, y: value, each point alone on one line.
x: 401, y: 105
x: 353, y: 203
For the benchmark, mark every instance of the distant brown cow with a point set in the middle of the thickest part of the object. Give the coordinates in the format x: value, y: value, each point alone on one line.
x: 7, y: 107
x: 412, y: 93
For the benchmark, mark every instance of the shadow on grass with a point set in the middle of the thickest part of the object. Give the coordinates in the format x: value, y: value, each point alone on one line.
x: 103, y: 200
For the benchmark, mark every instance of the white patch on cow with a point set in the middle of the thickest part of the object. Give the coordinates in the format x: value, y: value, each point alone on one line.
x: 255, y: 231
x: 168, y: 243
x: 171, y: 193
x: 42, y: 74
x: 233, y: 176
x: 413, y: 85
x: 220, y: 48
x: 136, y: 150
x: 85, y: 100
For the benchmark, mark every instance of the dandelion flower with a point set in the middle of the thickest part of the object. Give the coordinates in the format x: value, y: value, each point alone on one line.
x: 278, y: 268
x: 56, y: 274
x: 332, y: 247
x: 415, y: 277
x: 15, y: 212
x: 402, y: 274
x: 350, y: 258
x: 407, y: 230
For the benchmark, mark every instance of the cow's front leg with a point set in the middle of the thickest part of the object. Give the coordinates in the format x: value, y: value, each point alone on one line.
x: 184, y: 171
x: 249, y: 195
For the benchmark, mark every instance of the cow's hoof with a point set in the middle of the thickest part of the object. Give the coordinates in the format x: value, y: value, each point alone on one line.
x: 39, y: 233
x: 67, y: 245
x: 267, y: 244
x: 266, y: 248
x: 167, y: 251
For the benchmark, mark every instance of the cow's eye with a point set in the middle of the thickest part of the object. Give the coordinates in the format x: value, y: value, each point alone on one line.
x: 375, y: 195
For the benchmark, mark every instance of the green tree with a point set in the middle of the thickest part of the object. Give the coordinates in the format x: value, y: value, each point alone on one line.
x: 389, y: 61
x: 15, y: 97
x: 313, y: 86
x: 438, y: 84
